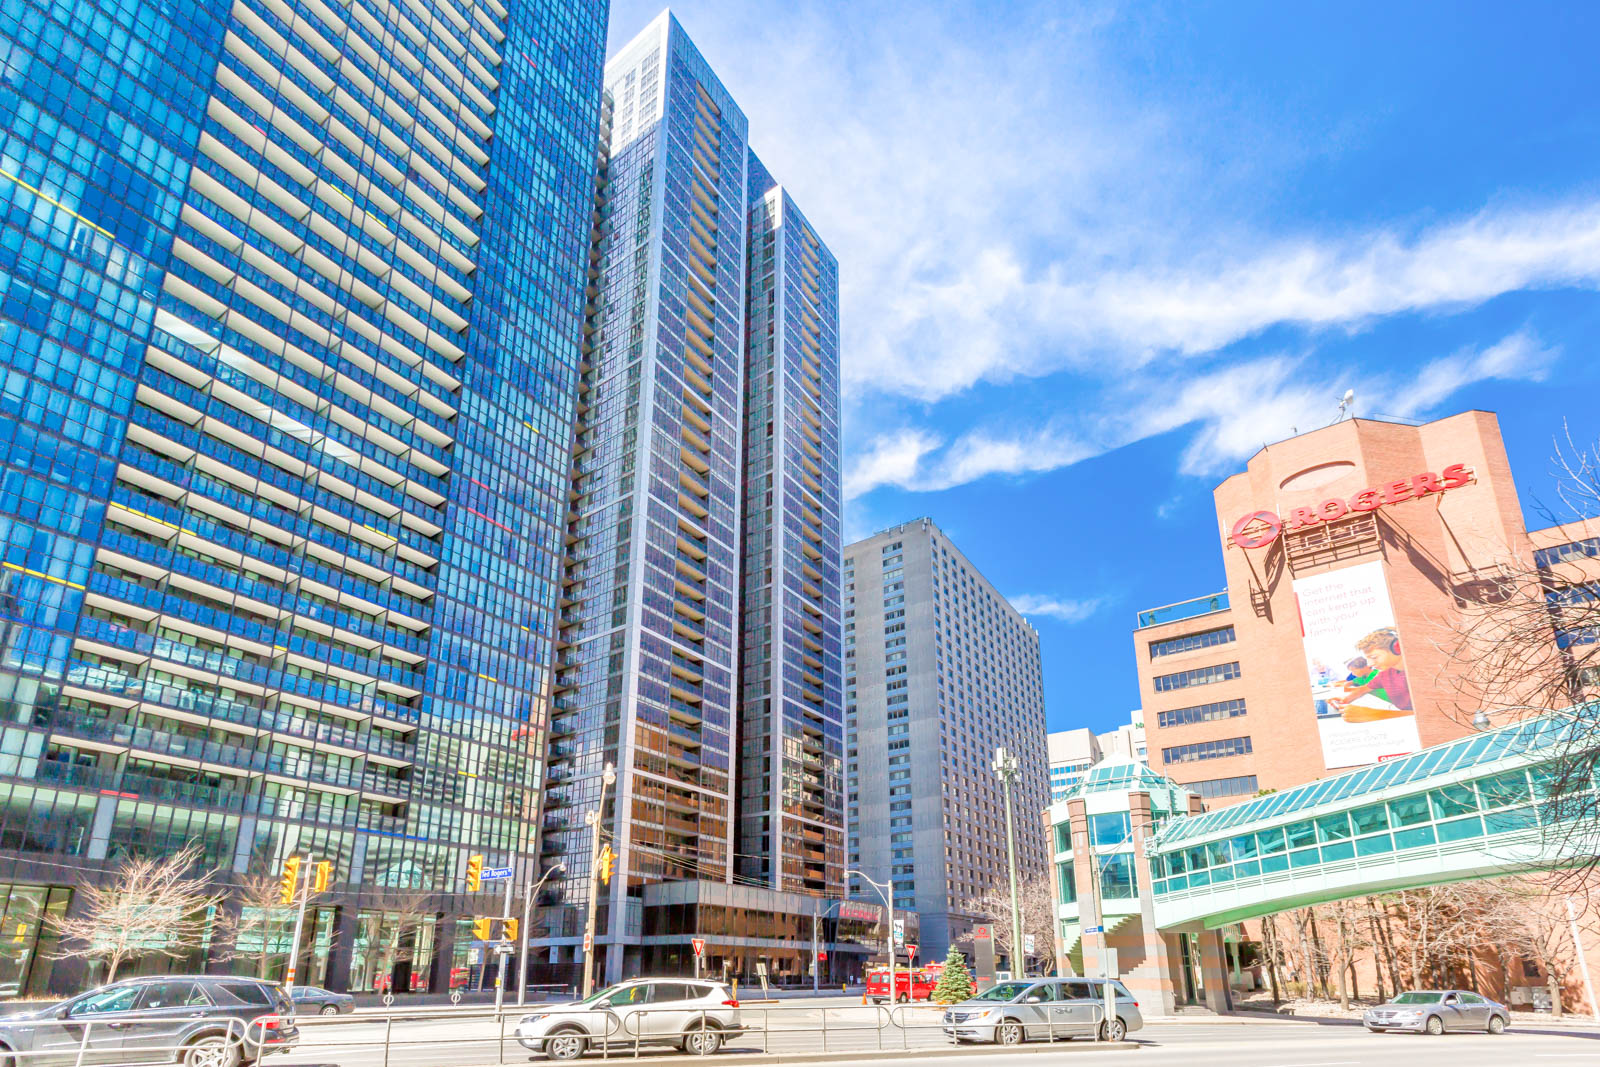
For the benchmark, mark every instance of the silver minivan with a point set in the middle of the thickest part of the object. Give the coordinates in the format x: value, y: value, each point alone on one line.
x: 1009, y: 1013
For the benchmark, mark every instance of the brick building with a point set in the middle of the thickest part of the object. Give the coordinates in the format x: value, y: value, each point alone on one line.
x: 1345, y: 550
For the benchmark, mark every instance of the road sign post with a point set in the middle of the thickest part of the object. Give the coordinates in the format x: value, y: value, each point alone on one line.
x: 699, y: 944
x: 502, y: 874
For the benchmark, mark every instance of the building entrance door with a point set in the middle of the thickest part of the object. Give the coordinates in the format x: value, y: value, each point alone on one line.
x: 1189, y: 956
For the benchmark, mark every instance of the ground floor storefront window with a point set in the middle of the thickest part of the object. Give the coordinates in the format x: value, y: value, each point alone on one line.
x: 26, y: 943
x: 392, y: 951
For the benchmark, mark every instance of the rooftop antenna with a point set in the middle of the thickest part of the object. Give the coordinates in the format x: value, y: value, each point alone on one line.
x: 1346, y: 403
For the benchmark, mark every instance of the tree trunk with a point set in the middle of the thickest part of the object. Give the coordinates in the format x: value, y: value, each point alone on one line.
x: 1321, y: 953
x: 1379, y: 950
x: 111, y: 969
x: 1269, y: 938
x: 1344, y: 959
x: 1553, y: 981
x: 1306, y: 971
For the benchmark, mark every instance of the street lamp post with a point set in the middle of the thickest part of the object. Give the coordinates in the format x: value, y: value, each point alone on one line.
x: 595, y: 818
x: 886, y: 891
x: 527, y: 916
x: 1005, y: 769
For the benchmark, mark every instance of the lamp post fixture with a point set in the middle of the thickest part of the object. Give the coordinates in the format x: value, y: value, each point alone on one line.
x: 595, y: 818
x: 527, y: 917
x: 1005, y: 769
x: 886, y: 891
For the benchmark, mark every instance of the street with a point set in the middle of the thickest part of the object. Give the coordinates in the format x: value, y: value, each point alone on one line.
x: 855, y: 1032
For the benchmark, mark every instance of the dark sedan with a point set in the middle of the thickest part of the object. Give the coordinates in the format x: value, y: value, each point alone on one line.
x: 314, y: 1000
x: 198, y: 1021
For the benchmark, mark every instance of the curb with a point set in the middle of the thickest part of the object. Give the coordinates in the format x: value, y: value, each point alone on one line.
x: 866, y: 1055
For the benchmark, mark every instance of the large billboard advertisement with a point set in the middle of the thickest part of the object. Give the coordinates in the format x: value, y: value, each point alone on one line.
x: 1358, y: 672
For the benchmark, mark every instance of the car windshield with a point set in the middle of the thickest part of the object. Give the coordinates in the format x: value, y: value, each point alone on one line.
x: 1415, y: 997
x: 1003, y: 991
x: 594, y: 998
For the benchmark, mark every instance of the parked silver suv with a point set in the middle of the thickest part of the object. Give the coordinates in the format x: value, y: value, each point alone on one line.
x: 199, y: 1021
x: 694, y: 1016
x: 1435, y: 1011
x: 1009, y: 1013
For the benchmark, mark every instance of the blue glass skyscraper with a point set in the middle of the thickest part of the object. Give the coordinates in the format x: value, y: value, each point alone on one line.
x: 291, y: 304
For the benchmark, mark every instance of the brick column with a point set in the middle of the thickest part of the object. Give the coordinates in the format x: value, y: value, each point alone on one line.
x: 1150, y: 979
x: 1083, y: 878
x: 1214, y: 971
x: 1062, y: 967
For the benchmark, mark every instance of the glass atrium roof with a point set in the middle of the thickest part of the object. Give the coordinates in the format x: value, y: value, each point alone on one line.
x: 1131, y: 776
x: 1544, y: 732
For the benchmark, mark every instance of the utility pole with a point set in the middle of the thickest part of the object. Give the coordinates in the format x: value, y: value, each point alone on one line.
x: 1005, y: 769
x: 1583, y: 964
x: 527, y: 917
x: 595, y: 818
x: 816, y: 969
x: 886, y: 891
x: 302, y: 886
x: 505, y: 957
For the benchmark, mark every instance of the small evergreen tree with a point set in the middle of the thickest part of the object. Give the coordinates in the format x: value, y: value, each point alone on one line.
x: 955, y: 984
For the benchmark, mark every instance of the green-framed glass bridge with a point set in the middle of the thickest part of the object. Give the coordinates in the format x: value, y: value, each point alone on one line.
x: 1518, y: 798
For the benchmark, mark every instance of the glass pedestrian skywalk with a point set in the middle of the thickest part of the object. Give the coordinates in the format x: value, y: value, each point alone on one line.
x: 1471, y: 795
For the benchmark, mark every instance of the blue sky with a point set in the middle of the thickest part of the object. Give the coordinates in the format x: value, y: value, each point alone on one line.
x: 1093, y: 255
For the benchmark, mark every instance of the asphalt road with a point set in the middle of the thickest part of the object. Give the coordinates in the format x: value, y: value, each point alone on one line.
x: 356, y: 1042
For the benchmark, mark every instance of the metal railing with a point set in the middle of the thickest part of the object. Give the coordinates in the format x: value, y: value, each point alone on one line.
x: 125, y: 1037
x: 421, y: 1037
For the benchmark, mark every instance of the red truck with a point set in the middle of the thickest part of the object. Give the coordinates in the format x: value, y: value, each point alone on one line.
x: 908, y: 985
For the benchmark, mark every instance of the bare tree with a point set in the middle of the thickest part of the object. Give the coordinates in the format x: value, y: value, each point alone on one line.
x: 993, y: 906
x: 1536, y: 929
x: 261, y: 927
x: 149, y: 906
x: 1526, y: 641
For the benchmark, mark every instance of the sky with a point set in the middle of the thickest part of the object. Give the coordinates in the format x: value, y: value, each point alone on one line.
x: 1093, y: 256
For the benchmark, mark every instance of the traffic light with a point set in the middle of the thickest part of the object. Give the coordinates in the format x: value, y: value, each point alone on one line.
x: 289, y: 880
x: 474, y: 874
x: 324, y: 875
x: 608, y: 861
x: 511, y: 926
x: 480, y: 929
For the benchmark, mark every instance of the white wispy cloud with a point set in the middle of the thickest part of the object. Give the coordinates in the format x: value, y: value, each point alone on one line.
x: 1066, y: 610
x: 1235, y: 410
x: 1008, y: 204
x: 1519, y: 356
x: 888, y: 459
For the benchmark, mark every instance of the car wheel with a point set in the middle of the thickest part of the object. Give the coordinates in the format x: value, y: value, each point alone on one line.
x: 902, y: 998
x: 1497, y: 1025
x: 565, y: 1046
x: 702, y: 1042
x: 1113, y: 1030
x: 1008, y: 1033
x: 329, y: 1009
x: 1435, y: 1025
x: 213, y: 1051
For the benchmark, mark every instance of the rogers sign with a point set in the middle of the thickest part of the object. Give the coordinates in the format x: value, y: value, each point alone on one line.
x: 1335, y: 508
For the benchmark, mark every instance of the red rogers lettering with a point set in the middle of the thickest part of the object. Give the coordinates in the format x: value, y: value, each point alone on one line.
x: 1261, y: 528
